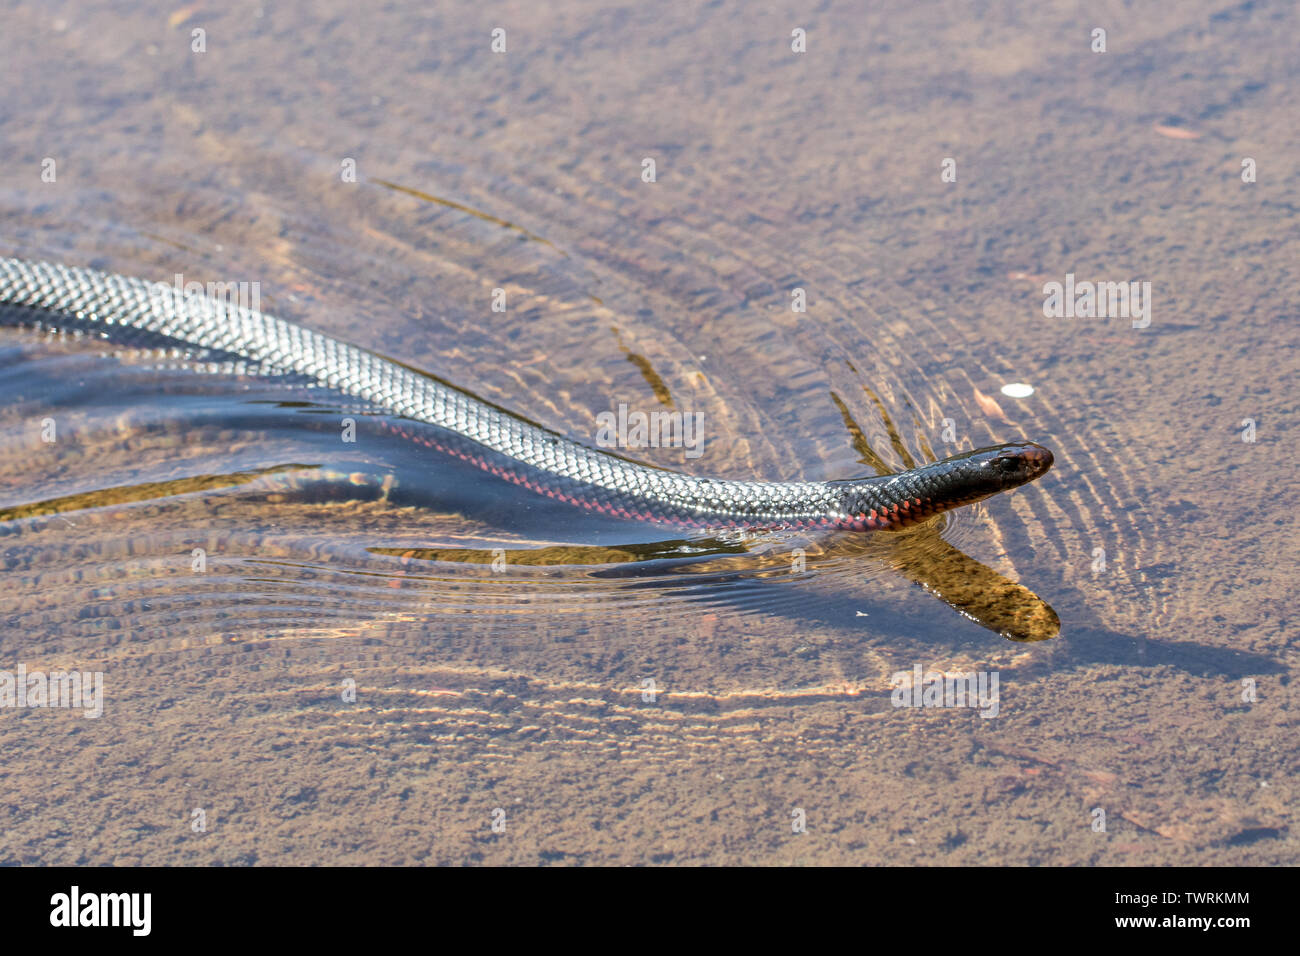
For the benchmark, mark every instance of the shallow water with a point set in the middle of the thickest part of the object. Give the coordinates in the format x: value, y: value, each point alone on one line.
x: 629, y: 694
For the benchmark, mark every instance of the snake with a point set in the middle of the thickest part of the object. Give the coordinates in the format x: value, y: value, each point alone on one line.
x: 56, y: 297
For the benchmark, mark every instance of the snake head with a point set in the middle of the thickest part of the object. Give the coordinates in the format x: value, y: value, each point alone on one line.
x: 974, y: 475
x: 909, y: 497
x: 1012, y: 464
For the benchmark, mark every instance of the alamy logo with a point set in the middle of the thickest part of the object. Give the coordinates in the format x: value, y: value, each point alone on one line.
x: 247, y: 295
x: 921, y: 688
x: 1092, y: 300
x: 67, y: 689
x: 103, y: 909
x: 656, y: 430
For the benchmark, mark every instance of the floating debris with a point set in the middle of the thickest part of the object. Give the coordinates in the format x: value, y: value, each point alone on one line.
x: 990, y: 407
x: 1176, y: 132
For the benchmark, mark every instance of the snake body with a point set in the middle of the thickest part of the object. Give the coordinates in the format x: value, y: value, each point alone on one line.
x: 59, y: 296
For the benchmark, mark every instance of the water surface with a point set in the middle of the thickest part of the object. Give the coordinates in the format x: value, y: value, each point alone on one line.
x: 1162, y: 542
